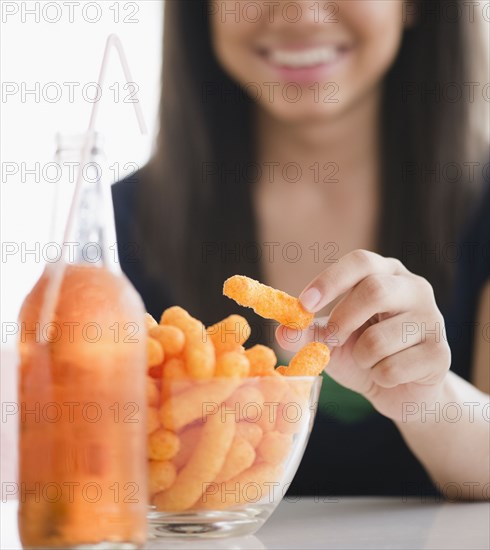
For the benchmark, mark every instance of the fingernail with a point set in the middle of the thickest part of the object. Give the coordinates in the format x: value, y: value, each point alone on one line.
x: 278, y: 331
x: 310, y: 298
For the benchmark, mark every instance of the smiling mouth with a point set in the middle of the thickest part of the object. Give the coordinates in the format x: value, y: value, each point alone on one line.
x: 304, y: 58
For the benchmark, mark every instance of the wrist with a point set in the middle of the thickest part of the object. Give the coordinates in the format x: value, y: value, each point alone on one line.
x: 423, y: 414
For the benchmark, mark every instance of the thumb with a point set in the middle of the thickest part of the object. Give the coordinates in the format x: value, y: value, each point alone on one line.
x: 320, y: 330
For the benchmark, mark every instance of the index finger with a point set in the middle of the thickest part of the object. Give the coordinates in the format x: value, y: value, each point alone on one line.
x: 350, y: 270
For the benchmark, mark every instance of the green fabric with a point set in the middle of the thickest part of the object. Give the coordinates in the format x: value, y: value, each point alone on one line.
x: 341, y: 403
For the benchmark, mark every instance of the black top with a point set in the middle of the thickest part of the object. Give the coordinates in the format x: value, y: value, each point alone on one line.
x: 353, y: 450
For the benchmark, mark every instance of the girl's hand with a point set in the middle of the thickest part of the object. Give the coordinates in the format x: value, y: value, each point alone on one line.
x: 386, y: 333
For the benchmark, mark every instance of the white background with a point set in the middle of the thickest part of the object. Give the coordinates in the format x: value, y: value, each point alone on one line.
x: 38, y: 51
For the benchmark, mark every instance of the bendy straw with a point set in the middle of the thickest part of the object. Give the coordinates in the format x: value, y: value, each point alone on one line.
x: 58, y: 269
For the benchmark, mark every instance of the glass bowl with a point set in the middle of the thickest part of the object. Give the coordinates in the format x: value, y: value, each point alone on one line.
x: 223, y: 452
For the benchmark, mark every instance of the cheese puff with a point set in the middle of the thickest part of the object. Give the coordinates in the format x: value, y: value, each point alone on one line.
x: 152, y: 393
x: 150, y: 322
x: 246, y: 403
x: 198, y: 349
x: 268, y: 302
x: 202, y: 467
x: 299, y: 393
x: 162, y: 444
x: 152, y: 420
x: 161, y: 475
x: 174, y: 369
x: 281, y: 369
x: 267, y: 421
x: 273, y: 387
x: 189, y: 438
x: 252, y: 485
x: 194, y: 403
x: 174, y: 315
x: 172, y: 388
x: 240, y: 457
x: 274, y: 447
x: 171, y: 338
x: 229, y: 334
x: 154, y: 352
x: 232, y: 363
x: 290, y: 417
x: 250, y: 431
x: 175, y: 378
x: 310, y: 360
x: 262, y: 360
x: 156, y: 372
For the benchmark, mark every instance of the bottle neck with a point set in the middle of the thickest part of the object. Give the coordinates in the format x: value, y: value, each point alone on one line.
x: 93, y: 239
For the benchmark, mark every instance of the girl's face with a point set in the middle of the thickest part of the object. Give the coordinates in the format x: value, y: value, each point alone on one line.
x: 307, y: 60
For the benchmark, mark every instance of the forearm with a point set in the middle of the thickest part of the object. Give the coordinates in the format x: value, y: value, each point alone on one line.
x: 451, y: 438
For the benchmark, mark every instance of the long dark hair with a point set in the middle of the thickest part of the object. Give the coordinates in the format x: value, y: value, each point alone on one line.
x: 195, y: 210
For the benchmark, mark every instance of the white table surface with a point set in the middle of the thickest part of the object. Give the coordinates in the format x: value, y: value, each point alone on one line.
x: 347, y: 523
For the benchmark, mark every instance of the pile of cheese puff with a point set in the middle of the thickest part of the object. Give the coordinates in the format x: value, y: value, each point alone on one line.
x: 217, y: 412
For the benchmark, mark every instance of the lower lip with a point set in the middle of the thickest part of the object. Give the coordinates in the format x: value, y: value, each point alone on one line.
x: 323, y: 71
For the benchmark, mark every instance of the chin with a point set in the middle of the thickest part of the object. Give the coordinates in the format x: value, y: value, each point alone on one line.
x: 303, y: 113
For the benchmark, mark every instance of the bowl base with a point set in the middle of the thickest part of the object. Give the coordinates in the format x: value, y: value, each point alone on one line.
x: 214, y: 524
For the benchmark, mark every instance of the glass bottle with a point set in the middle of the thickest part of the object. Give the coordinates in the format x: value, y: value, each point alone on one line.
x: 82, y: 392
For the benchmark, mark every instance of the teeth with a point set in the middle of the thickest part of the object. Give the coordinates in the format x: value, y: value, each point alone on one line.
x: 303, y: 58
